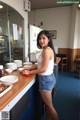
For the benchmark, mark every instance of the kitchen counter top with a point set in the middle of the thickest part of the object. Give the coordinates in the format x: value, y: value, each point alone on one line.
x: 18, y: 89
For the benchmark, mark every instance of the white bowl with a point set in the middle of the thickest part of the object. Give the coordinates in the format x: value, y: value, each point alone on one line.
x: 8, y: 70
x: 11, y: 65
x: 18, y: 62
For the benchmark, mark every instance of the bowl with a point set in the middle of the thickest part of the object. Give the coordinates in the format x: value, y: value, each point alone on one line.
x: 8, y: 70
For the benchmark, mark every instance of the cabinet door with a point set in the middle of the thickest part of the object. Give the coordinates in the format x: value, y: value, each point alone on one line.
x: 20, y: 107
x: 34, y: 110
x: 29, y: 113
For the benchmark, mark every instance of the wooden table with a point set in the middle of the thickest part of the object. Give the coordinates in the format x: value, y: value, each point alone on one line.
x: 58, y: 59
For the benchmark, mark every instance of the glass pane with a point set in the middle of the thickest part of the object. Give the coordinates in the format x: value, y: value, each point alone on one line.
x: 11, y: 33
x: 3, y: 20
x: 3, y: 33
x: 15, y: 27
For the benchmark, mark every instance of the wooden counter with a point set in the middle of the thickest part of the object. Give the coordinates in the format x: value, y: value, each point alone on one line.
x: 16, y: 89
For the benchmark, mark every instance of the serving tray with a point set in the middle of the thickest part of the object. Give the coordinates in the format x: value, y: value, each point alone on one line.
x: 4, y: 88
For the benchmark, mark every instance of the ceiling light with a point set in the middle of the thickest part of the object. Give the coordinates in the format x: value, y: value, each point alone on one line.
x: 1, y: 6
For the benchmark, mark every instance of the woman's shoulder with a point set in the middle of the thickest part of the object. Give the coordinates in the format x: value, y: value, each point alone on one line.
x: 48, y: 51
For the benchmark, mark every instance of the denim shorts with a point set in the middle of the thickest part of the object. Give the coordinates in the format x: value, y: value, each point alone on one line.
x: 46, y: 82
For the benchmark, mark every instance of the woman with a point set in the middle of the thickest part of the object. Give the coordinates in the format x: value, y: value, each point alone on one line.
x: 44, y: 69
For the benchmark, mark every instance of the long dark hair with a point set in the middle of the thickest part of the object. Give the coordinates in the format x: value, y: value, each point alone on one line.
x: 50, y: 43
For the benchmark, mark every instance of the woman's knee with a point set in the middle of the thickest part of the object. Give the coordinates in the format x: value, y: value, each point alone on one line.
x: 49, y: 105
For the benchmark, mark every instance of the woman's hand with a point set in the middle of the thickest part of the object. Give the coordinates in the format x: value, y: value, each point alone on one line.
x: 25, y: 72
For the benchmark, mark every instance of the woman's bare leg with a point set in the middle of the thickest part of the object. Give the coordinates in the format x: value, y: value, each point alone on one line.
x: 48, y: 115
x: 47, y: 98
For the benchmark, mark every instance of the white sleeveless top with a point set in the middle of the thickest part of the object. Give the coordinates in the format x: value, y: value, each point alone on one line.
x: 50, y: 67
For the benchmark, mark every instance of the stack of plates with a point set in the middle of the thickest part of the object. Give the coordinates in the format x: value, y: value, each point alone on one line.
x: 11, y: 65
x: 18, y: 62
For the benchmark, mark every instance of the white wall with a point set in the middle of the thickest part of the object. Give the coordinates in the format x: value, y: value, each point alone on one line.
x: 72, y: 26
x: 54, y: 19
x: 63, y: 19
x: 76, y: 34
x: 18, y: 5
x: 78, y: 46
x: 75, y: 26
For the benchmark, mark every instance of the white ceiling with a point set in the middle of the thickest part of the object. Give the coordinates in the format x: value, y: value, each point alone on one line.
x: 42, y: 4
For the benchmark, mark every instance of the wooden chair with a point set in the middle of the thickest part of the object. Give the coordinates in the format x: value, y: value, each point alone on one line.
x: 63, y: 65
x: 77, y: 62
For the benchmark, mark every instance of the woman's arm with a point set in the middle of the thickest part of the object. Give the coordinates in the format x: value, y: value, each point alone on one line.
x: 27, y: 70
x: 33, y: 67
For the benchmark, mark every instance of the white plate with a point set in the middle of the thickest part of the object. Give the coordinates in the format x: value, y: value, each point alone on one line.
x: 9, y: 79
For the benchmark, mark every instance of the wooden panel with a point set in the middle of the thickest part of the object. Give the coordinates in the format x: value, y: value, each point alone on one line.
x: 72, y: 57
x: 63, y: 51
x: 78, y: 53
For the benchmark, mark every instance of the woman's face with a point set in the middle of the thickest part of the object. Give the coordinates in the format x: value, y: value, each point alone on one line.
x: 43, y: 41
